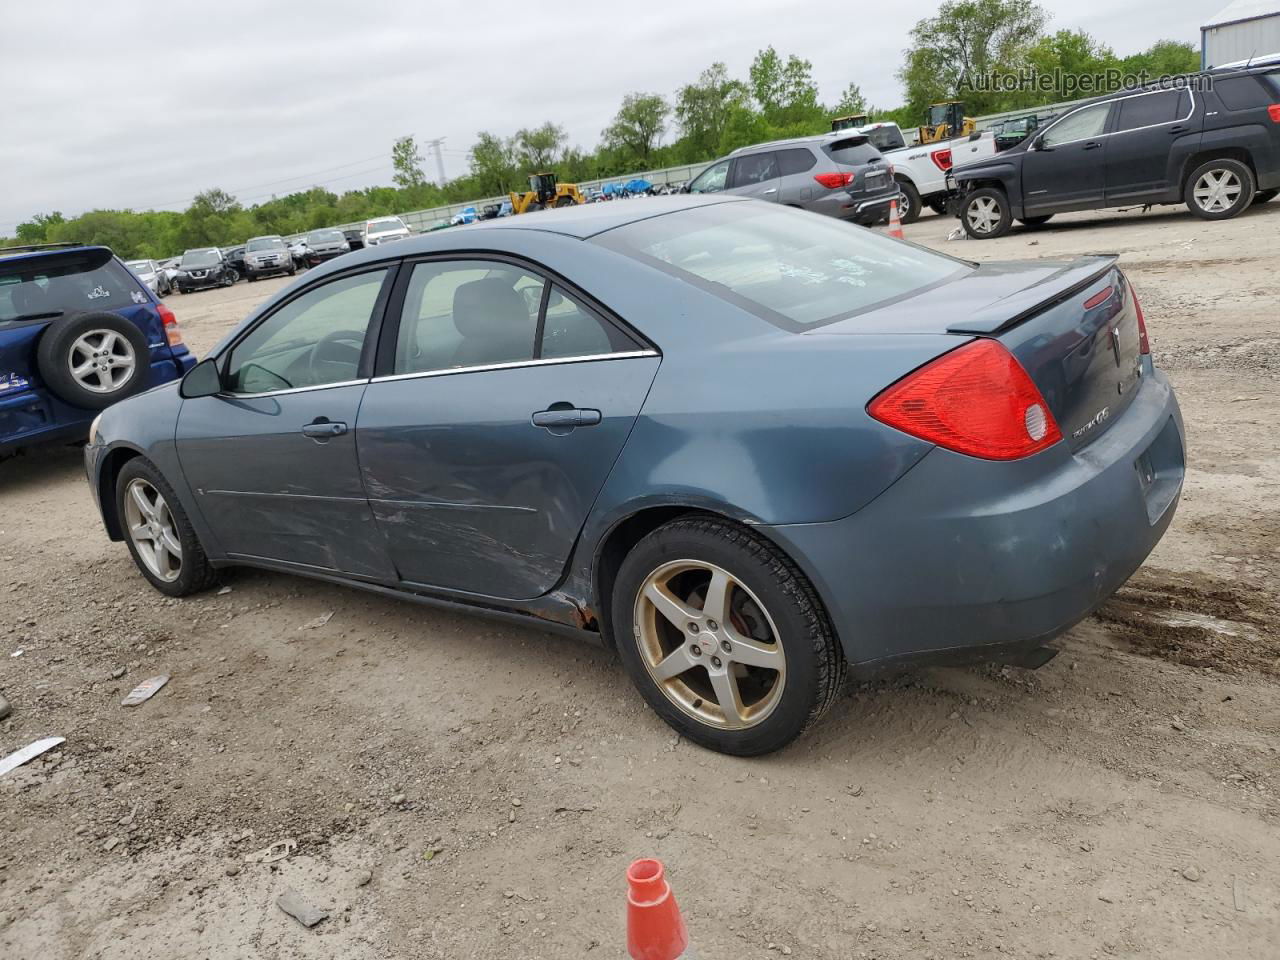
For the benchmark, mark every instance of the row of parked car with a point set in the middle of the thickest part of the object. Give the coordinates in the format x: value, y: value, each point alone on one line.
x: 204, y: 267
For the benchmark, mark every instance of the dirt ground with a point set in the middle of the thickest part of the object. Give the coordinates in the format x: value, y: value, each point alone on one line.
x: 464, y: 789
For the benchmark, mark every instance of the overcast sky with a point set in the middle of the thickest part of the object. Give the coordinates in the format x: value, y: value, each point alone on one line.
x: 142, y: 105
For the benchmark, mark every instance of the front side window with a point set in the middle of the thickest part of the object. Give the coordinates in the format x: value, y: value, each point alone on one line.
x: 313, y: 340
x: 712, y: 179
x: 1151, y: 109
x: 753, y: 169
x: 790, y: 268
x: 1084, y: 123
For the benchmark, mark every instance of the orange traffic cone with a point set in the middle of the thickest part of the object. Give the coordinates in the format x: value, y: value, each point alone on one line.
x: 655, y: 929
x: 895, y: 225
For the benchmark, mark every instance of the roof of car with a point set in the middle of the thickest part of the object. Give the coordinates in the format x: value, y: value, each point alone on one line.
x: 36, y: 250
x: 795, y: 141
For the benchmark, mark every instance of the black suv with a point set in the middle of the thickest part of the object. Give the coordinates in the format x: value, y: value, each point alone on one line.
x: 1211, y: 141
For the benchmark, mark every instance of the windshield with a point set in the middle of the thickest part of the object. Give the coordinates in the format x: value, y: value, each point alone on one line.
x: 384, y: 226
x: 788, y: 267
x: 49, y: 285
x: 264, y: 243
x: 325, y: 236
x: 200, y: 258
x: 141, y: 266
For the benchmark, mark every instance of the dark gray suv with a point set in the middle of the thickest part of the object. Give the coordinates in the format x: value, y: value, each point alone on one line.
x: 835, y: 174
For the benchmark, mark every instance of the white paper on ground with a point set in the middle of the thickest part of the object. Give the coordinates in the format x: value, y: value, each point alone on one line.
x: 29, y: 752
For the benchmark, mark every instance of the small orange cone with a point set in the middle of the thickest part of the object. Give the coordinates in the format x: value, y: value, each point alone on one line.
x: 655, y: 929
x: 895, y: 225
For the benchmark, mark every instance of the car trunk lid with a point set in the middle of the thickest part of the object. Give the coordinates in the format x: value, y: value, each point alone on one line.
x: 1073, y: 327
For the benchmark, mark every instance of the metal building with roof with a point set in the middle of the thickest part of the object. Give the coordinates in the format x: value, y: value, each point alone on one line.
x: 1243, y: 30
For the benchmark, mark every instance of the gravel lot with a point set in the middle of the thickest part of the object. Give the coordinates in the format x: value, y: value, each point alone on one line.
x: 460, y: 788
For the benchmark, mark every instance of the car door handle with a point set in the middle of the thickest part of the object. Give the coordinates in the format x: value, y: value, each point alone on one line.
x: 1176, y: 130
x: 1092, y: 145
x: 771, y: 190
x: 323, y: 429
x: 565, y: 418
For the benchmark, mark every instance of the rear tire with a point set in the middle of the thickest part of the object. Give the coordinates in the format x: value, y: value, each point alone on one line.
x: 167, y: 523
x: 939, y: 207
x: 985, y: 213
x: 1220, y: 189
x: 109, y: 352
x: 1035, y: 222
x: 910, y: 207
x: 777, y: 662
x: 1265, y: 196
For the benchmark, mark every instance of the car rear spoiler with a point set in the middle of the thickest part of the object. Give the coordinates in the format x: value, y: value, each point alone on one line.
x: 1018, y: 306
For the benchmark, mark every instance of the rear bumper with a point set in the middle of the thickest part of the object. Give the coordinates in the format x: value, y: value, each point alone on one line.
x: 966, y: 558
x: 36, y: 416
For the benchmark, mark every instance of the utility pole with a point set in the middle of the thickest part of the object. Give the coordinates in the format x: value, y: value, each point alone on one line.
x: 435, y: 145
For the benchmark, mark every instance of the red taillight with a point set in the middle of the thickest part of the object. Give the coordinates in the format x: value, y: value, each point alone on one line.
x: 1273, y: 110
x: 833, y: 180
x: 941, y: 159
x: 976, y: 400
x: 1144, y: 345
x: 1100, y: 297
x: 171, y: 329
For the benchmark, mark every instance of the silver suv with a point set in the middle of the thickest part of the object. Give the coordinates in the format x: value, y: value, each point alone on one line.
x: 266, y: 256
x: 835, y: 174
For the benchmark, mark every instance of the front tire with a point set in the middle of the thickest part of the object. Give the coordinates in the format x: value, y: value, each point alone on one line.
x: 161, y: 540
x: 724, y: 637
x: 1219, y: 189
x: 985, y: 213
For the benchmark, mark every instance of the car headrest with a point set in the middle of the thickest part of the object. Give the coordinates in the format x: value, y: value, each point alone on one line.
x: 29, y: 298
x: 488, y: 308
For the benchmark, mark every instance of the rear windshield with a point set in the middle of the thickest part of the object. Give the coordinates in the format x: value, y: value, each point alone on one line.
x: 852, y: 152
x: 140, y: 266
x: 791, y: 268
x: 64, y: 283
x: 264, y: 243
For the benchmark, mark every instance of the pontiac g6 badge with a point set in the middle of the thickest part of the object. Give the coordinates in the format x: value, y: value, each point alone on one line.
x: 1098, y: 418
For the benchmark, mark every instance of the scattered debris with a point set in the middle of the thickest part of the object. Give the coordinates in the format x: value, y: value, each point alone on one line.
x: 1237, y: 894
x: 318, y: 622
x: 587, y: 809
x: 17, y: 653
x: 397, y: 799
x: 277, y: 851
x: 1244, y: 399
x: 1177, y: 723
x: 291, y: 902
x: 144, y: 691
x: 110, y: 844
x: 1191, y: 873
x: 29, y: 752
x: 364, y: 878
x: 224, y: 591
x: 956, y: 234
x: 5, y: 708
x: 118, y: 672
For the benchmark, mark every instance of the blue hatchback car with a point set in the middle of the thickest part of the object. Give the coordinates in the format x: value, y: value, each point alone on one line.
x: 743, y: 444
x: 78, y: 332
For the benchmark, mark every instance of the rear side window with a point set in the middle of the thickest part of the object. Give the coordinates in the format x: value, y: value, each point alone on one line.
x: 795, y: 270
x: 754, y: 168
x: 64, y: 283
x: 851, y: 152
x: 1151, y: 109
x: 796, y: 160
x: 1241, y: 93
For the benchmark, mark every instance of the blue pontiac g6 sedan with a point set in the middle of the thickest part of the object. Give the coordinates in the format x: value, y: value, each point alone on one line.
x: 745, y: 446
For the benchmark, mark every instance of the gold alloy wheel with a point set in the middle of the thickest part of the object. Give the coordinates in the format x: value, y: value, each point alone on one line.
x: 709, y: 644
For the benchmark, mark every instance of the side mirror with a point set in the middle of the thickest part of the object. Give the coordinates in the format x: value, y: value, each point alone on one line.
x: 202, y: 380
x: 1038, y: 143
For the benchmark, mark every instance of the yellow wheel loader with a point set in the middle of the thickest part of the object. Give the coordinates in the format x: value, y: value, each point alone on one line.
x: 544, y: 191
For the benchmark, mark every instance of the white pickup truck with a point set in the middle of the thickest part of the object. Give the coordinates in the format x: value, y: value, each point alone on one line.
x: 921, y: 170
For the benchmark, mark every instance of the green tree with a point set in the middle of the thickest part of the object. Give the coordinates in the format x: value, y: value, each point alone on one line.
x: 493, y: 164
x: 406, y: 160
x: 784, y: 90
x: 967, y: 40
x: 538, y: 148
x: 1164, y: 58
x: 638, y: 125
x: 702, y: 110
x: 36, y: 230
x: 1067, y: 53
x: 851, y: 102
